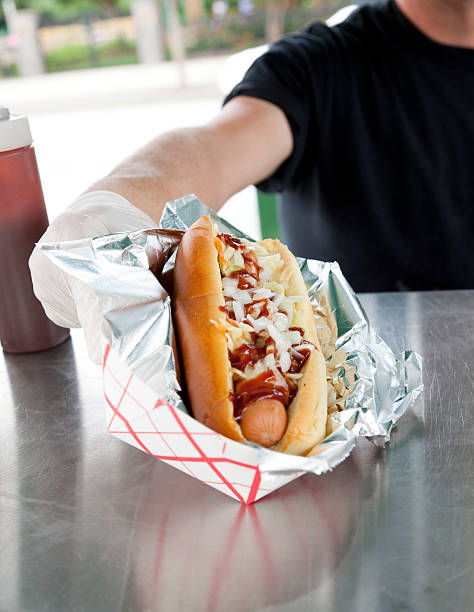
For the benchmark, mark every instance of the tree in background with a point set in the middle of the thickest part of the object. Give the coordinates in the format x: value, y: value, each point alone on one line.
x: 275, y: 11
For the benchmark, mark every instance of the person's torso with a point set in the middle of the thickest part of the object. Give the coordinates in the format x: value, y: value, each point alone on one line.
x: 386, y: 184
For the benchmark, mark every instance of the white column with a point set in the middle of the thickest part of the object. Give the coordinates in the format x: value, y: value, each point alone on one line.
x: 29, y: 56
x: 148, y: 28
x: 176, y: 41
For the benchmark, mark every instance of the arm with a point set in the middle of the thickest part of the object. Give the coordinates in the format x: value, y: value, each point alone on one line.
x: 244, y: 144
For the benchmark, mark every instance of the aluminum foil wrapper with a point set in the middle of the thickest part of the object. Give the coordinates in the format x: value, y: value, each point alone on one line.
x: 123, y: 270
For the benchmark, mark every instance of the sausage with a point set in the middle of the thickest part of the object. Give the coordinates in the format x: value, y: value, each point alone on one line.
x: 264, y: 421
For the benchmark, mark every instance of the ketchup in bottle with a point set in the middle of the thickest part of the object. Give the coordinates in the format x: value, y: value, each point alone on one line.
x: 24, y: 327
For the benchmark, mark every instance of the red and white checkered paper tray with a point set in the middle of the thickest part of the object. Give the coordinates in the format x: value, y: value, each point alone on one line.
x: 143, y: 406
x: 137, y: 415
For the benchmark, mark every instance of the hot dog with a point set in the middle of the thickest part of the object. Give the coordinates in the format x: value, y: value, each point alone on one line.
x: 252, y: 362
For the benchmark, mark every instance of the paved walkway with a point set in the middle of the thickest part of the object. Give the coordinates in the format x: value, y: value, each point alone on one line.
x: 114, y: 86
x: 85, y: 122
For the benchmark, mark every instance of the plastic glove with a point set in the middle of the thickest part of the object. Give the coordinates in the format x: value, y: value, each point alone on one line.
x: 66, y: 300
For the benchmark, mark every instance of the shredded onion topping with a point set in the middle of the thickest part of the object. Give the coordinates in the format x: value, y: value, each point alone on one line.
x: 262, y: 314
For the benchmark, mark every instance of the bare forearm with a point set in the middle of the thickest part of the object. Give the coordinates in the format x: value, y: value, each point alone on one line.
x: 170, y: 166
x: 213, y: 161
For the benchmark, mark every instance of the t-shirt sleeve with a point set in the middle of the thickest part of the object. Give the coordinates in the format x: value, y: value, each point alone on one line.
x: 285, y: 76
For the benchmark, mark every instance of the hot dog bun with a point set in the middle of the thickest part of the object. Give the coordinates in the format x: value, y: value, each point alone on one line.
x: 307, y: 413
x: 198, y: 303
x: 203, y: 347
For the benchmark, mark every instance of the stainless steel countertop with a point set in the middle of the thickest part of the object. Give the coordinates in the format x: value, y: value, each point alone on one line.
x: 90, y: 523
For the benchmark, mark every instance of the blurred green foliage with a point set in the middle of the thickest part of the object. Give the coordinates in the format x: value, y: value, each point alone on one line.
x: 11, y: 70
x: 69, y: 9
x: 233, y: 34
x: 76, y: 57
x: 236, y: 32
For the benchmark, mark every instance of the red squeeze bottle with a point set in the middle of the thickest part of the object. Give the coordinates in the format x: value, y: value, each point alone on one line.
x: 24, y: 326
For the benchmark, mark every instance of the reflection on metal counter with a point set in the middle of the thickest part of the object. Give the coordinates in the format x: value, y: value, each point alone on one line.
x: 87, y: 523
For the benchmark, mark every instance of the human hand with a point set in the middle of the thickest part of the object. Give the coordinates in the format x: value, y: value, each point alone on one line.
x: 66, y: 300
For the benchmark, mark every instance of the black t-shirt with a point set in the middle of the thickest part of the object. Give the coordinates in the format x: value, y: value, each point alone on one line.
x: 381, y: 177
